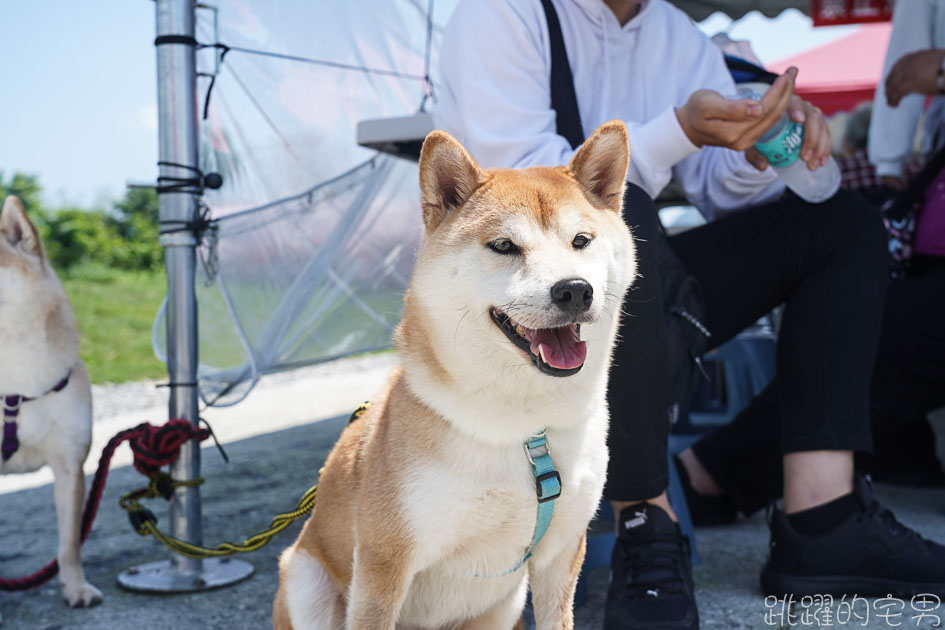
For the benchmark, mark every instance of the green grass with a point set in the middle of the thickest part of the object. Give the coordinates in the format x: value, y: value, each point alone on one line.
x: 116, y: 310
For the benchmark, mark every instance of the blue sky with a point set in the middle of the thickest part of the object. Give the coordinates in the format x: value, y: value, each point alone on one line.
x: 78, y: 95
x: 78, y: 92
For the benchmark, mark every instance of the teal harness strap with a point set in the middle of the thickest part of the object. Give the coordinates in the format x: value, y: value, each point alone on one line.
x: 548, y: 488
x: 547, y: 485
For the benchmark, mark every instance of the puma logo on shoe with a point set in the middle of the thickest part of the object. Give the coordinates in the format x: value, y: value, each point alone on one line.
x: 638, y: 520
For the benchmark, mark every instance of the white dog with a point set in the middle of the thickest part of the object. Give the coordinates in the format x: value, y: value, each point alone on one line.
x: 428, y: 509
x: 44, y: 386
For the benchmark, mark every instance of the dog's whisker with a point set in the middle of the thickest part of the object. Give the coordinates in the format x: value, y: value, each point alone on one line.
x: 456, y: 332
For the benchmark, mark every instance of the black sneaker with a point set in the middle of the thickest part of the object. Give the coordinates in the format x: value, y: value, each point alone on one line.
x: 704, y: 509
x: 651, y: 574
x: 871, y: 553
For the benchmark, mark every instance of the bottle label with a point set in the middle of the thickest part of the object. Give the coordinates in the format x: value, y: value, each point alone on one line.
x: 784, y: 149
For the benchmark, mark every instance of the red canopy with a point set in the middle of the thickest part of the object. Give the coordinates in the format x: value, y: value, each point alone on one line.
x: 840, y: 75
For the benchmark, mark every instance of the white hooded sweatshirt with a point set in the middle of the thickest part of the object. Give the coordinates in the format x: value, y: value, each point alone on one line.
x: 495, y: 97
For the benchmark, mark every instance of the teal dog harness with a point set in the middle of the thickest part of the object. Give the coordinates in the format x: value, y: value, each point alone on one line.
x: 548, y: 488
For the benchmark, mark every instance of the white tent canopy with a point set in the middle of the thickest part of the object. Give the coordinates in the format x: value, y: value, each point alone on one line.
x: 701, y: 9
x: 314, y: 235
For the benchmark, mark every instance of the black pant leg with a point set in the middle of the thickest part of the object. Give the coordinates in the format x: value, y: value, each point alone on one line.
x: 909, y: 378
x: 744, y: 457
x: 828, y: 264
x: 638, y: 393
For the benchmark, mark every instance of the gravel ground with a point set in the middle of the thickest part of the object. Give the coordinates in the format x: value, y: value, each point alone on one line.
x: 267, y: 473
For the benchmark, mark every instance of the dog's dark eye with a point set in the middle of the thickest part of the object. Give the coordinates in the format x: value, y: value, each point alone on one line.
x: 581, y: 241
x: 503, y: 246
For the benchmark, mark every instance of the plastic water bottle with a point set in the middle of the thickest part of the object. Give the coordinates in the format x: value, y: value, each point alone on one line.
x: 781, y: 146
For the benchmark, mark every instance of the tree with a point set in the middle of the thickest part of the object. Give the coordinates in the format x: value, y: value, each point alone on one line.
x: 125, y: 237
x: 27, y: 188
x: 139, y: 202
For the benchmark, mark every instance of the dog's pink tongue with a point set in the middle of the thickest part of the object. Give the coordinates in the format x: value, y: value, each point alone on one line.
x: 562, y: 347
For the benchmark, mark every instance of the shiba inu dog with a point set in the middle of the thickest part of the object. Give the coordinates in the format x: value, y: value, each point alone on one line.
x: 44, y: 386
x: 428, y: 505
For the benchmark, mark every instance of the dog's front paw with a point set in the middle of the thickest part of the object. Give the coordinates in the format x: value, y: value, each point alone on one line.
x: 82, y: 596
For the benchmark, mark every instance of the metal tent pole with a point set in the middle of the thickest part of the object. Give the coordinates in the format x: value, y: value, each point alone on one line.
x: 177, y: 147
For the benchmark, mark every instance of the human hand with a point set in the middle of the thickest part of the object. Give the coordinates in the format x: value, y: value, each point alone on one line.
x: 817, y: 147
x: 755, y: 158
x: 708, y: 118
x: 916, y: 72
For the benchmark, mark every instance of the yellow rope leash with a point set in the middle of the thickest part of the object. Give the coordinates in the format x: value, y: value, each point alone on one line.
x: 145, y: 522
x: 161, y: 485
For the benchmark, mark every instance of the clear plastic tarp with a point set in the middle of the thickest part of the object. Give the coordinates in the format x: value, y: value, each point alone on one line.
x: 315, y: 236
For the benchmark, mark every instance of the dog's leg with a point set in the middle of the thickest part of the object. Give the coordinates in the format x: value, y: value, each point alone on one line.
x: 378, y: 588
x: 505, y: 614
x: 307, y: 599
x: 553, y: 588
x: 69, y: 492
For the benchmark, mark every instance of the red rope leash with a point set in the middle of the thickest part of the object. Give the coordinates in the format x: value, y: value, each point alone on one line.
x: 153, y: 447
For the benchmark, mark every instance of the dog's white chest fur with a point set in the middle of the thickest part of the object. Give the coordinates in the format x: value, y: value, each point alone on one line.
x: 474, y: 514
x: 53, y: 423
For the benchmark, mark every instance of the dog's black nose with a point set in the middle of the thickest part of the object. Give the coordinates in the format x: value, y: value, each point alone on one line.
x: 572, y: 296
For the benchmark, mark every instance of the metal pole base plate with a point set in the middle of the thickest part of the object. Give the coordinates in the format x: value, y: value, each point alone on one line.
x: 162, y: 577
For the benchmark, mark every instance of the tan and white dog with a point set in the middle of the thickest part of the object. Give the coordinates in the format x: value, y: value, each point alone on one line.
x: 428, y: 502
x: 40, y: 343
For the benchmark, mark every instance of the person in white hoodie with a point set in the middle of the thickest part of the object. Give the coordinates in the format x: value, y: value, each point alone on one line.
x: 648, y: 65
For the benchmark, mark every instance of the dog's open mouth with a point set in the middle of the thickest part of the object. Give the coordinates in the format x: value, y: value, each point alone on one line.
x: 555, y: 351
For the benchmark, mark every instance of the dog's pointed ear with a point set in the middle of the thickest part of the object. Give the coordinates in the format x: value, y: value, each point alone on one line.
x: 448, y: 177
x: 600, y: 164
x: 17, y: 228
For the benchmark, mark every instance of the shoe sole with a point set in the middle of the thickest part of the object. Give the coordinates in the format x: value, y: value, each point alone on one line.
x: 782, y: 584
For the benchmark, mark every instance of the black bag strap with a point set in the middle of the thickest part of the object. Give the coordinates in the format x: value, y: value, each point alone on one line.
x: 743, y: 71
x: 563, y: 98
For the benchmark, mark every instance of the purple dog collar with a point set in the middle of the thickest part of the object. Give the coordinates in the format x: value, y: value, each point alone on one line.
x: 11, y: 411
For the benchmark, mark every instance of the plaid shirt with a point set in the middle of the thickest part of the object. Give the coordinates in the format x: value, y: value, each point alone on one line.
x: 857, y: 173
